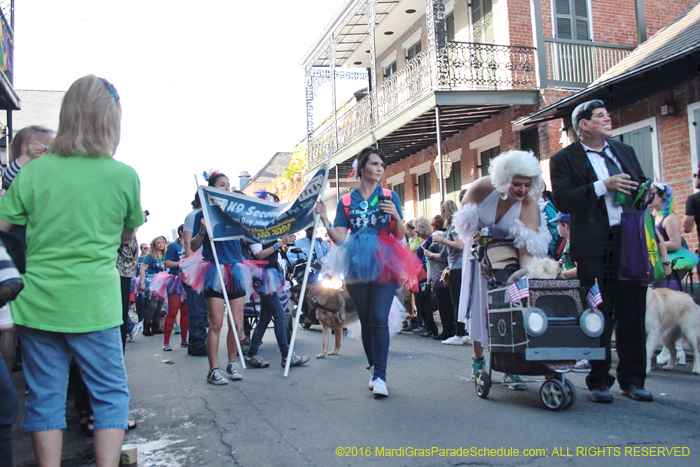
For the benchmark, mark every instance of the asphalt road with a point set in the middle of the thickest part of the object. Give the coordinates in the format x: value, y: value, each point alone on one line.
x: 323, y: 414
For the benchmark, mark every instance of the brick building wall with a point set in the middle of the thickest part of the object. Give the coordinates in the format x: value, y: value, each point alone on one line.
x: 673, y: 138
x: 659, y: 13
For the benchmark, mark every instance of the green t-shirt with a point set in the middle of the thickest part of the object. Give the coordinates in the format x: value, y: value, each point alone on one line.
x: 75, y: 209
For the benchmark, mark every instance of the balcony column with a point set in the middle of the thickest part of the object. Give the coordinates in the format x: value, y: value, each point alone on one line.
x: 437, y: 42
x: 332, y: 48
x: 371, y: 23
x: 441, y: 178
x: 309, y: 82
x: 536, y: 14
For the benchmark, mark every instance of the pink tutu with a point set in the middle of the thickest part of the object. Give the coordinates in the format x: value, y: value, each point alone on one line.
x: 201, y: 274
x: 164, y: 284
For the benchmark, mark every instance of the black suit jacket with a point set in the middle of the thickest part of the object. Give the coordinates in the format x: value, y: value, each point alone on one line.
x: 572, y: 187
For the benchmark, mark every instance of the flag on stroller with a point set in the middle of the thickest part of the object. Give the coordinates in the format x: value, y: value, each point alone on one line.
x: 594, y: 298
x: 518, y: 290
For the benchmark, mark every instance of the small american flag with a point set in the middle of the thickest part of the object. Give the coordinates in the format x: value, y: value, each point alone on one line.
x: 518, y: 290
x: 594, y: 298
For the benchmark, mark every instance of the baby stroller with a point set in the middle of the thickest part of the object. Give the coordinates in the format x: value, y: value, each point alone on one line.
x: 540, y: 335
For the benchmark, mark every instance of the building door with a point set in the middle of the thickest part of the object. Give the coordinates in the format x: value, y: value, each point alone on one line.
x: 483, y: 36
x: 453, y: 184
x: 486, y: 157
x: 424, y: 195
x: 641, y: 140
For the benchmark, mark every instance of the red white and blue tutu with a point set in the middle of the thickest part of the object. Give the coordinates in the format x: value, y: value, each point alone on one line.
x: 201, y: 274
x: 269, y: 282
x: 367, y: 256
x: 164, y: 284
x: 148, y: 293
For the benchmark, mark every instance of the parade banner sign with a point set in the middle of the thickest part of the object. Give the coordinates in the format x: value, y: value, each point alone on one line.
x: 232, y: 216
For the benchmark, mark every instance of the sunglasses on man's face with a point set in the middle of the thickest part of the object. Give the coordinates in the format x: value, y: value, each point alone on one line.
x: 696, y: 175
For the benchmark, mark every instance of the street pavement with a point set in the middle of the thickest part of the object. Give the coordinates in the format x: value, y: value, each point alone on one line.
x: 323, y: 414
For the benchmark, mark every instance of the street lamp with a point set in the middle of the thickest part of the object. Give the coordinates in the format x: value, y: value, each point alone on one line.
x: 446, y: 165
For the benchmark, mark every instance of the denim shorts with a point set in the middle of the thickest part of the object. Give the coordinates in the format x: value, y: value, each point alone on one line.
x: 46, y: 358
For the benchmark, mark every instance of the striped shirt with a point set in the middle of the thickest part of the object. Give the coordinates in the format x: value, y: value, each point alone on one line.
x: 9, y: 174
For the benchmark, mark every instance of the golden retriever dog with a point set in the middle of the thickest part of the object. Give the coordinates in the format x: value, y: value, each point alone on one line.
x: 670, y: 316
x: 334, y: 310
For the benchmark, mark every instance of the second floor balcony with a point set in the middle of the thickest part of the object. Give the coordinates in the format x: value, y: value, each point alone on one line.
x: 465, y: 67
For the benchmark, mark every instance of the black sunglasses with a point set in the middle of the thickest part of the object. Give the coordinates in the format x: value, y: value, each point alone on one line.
x: 695, y: 175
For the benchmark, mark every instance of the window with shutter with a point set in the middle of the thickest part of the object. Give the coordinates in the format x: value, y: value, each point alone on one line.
x: 450, y: 26
x: 572, y: 19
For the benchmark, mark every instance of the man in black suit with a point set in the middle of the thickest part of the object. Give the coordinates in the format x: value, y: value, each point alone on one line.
x: 586, y: 177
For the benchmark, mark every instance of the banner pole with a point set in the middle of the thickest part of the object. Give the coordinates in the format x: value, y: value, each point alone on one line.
x: 229, y: 313
x: 302, y: 293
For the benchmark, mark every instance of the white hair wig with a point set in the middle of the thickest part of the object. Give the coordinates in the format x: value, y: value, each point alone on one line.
x: 509, y: 164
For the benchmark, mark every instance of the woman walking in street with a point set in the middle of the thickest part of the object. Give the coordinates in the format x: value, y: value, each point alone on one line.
x: 373, y: 258
x: 201, y: 274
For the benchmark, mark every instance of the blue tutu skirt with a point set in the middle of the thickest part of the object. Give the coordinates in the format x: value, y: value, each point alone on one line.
x: 367, y: 256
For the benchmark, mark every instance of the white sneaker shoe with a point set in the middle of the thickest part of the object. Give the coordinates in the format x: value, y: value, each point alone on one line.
x: 379, y: 388
x: 454, y: 340
x: 233, y: 372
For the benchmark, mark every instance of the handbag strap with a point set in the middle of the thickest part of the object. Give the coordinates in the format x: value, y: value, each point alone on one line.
x: 458, y: 256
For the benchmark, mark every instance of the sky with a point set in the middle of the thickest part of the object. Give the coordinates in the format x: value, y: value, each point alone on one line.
x: 208, y: 84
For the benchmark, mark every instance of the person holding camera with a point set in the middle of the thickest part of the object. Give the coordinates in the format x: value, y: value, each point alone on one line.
x: 373, y: 258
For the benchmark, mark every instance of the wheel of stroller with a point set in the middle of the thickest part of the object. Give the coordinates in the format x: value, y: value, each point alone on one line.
x: 554, y: 394
x: 571, y: 393
x: 288, y: 325
x: 482, y: 383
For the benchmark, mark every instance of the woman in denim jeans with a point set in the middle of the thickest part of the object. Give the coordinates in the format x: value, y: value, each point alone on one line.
x: 79, y: 205
x: 373, y: 258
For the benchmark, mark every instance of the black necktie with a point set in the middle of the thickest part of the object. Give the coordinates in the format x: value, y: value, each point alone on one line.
x: 613, y: 169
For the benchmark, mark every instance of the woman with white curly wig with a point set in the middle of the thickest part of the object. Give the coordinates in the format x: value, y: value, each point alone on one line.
x: 506, y: 202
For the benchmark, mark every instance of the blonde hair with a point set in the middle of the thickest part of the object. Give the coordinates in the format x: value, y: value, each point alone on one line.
x: 513, y: 163
x: 152, y: 250
x: 450, y: 207
x: 26, y: 135
x: 90, y: 119
x: 422, y: 227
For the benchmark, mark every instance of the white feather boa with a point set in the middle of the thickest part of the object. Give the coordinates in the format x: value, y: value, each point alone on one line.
x: 536, y: 243
x: 466, y: 220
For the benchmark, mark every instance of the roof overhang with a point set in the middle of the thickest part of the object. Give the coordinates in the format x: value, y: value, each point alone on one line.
x: 9, y: 100
x: 625, y: 88
x: 415, y: 128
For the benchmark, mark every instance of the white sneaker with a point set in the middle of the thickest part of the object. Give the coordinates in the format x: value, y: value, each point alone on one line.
x: 134, y: 332
x: 454, y: 340
x: 379, y: 388
x: 233, y: 372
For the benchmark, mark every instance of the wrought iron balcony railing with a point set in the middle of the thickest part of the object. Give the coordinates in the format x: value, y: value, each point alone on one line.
x: 577, y: 63
x: 491, y: 67
x: 469, y: 66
